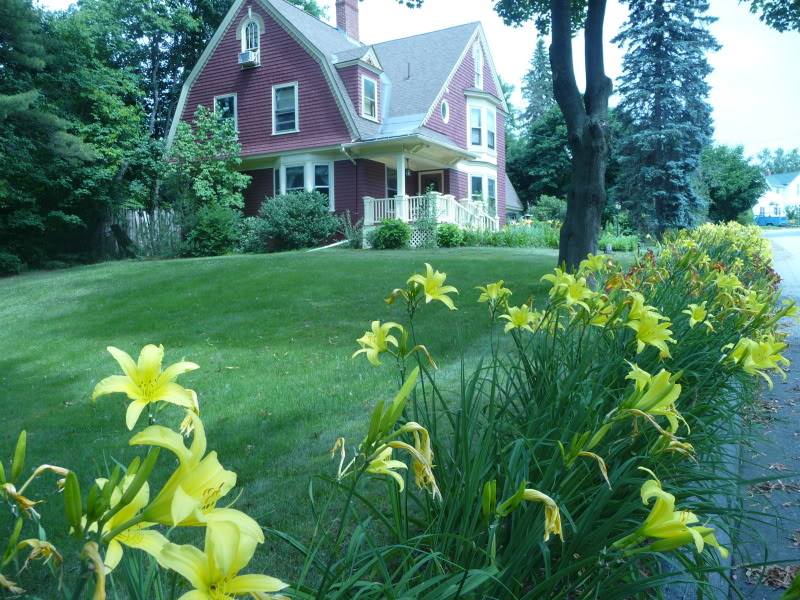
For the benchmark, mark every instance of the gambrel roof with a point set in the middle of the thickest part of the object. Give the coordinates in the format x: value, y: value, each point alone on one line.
x: 414, y: 70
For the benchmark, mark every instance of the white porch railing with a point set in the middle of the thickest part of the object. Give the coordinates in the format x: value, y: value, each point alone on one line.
x: 464, y: 213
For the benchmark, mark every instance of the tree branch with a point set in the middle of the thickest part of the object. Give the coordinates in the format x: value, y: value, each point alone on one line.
x: 598, y: 85
x: 565, y: 88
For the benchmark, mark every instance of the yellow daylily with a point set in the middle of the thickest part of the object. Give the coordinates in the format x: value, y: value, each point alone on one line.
x: 137, y: 536
x: 521, y: 317
x: 655, y: 395
x: 145, y: 383
x: 756, y: 358
x: 383, y: 464
x: 698, y: 314
x: 493, y: 293
x: 639, y: 309
x: 650, y: 332
x: 379, y: 340
x: 559, y: 280
x: 190, y: 495
x: 432, y: 283
x: 595, y: 264
x: 669, y: 526
x: 214, y: 574
x: 91, y: 553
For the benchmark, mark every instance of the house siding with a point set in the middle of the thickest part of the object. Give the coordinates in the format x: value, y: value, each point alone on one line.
x: 458, y: 184
x: 351, y: 78
x: 501, y: 167
x: 283, y: 60
x: 354, y: 181
x: 456, y: 127
x: 261, y: 187
x: 463, y: 79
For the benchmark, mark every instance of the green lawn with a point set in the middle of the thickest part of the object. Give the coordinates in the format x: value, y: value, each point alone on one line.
x: 273, y: 335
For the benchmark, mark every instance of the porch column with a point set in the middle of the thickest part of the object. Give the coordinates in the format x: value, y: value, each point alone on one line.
x: 401, y: 204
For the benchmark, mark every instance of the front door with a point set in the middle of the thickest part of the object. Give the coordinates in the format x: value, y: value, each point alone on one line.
x: 431, y: 181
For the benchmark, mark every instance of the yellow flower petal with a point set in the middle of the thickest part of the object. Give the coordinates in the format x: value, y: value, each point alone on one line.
x: 135, y: 409
x: 244, y: 584
x: 187, y: 561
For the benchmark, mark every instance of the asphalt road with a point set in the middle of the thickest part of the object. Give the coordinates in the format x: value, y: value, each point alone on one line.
x: 776, y: 457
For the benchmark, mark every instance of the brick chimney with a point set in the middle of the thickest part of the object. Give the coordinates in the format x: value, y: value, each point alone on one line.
x: 347, y: 17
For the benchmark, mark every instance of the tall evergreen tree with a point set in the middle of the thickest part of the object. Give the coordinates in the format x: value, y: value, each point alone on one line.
x: 778, y: 161
x: 537, y: 86
x: 665, y: 109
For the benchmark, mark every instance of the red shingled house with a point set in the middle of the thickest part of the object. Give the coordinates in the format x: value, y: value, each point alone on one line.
x: 371, y: 126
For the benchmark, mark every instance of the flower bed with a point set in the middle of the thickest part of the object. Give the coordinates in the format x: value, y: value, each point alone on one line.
x: 584, y: 457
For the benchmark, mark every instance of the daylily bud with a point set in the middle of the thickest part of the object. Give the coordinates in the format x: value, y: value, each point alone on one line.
x: 73, y: 506
x: 141, y: 476
x: 19, y: 456
x: 489, y: 499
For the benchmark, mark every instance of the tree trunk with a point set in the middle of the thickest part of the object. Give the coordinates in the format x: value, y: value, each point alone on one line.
x: 586, y: 198
x: 586, y: 116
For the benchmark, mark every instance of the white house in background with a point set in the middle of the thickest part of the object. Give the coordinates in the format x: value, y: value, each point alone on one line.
x: 783, y: 192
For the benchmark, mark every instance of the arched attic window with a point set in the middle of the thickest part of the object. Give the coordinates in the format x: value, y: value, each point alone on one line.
x: 251, y: 36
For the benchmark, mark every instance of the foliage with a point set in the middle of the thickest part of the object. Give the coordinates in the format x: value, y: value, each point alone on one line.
x: 549, y: 208
x: 618, y: 242
x: 665, y: 110
x: 778, y: 14
x: 729, y: 182
x: 539, y: 163
x: 778, y: 161
x: 10, y: 264
x: 537, y: 86
x: 391, y: 234
x: 201, y: 165
x: 296, y: 220
x: 594, y: 409
x: 520, y: 234
x: 215, y: 232
x: 352, y: 232
x: 449, y: 235
x: 250, y: 235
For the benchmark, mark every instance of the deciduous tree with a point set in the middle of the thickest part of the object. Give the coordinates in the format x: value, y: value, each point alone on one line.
x: 731, y: 184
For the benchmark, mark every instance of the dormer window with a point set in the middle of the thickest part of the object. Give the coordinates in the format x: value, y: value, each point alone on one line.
x: 477, y: 55
x: 369, y: 98
x: 251, y: 36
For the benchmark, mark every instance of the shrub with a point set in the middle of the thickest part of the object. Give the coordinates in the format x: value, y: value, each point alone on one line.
x: 297, y: 220
x: 215, y: 232
x: 250, y: 239
x: 10, y: 264
x: 391, y: 234
x: 353, y: 232
x: 449, y: 235
x: 549, y: 208
x: 618, y: 243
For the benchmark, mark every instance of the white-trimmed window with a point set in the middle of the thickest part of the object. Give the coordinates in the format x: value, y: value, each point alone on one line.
x: 251, y: 36
x: 477, y: 55
x: 762, y: 212
x: 391, y: 182
x: 322, y: 179
x: 285, y: 109
x: 491, y: 195
x: 444, y: 110
x: 295, y: 178
x: 225, y: 106
x: 491, y: 129
x: 369, y: 98
x: 476, y: 187
x: 476, y: 127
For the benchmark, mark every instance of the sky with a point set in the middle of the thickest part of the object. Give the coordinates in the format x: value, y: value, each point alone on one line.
x: 755, y: 85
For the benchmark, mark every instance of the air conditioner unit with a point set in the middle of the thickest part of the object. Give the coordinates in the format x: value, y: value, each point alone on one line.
x: 248, y: 58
